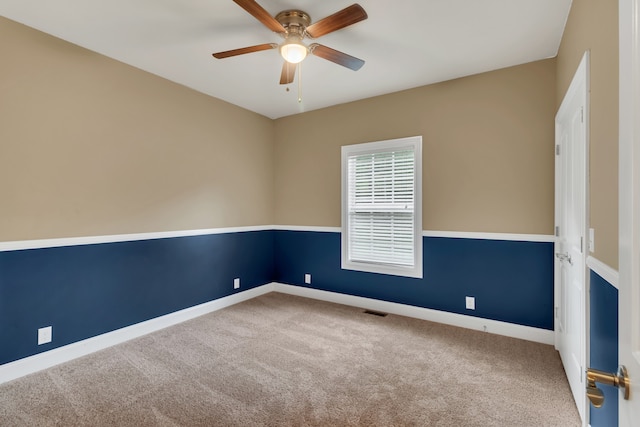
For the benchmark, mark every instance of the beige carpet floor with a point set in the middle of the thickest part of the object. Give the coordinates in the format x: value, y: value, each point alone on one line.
x: 280, y: 360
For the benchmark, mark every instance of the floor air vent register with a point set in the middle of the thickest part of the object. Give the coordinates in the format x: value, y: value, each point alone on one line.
x: 375, y: 313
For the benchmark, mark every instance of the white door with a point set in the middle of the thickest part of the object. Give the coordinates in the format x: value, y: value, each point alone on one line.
x: 571, y: 222
x: 629, y: 268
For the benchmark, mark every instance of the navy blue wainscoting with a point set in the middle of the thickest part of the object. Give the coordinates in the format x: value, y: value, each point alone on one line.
x: 512, y: 281
x: 604, y: 346
x: 87, y: 290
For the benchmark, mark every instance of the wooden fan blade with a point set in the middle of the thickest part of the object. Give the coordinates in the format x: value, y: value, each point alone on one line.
x: 244, y: 50
x: 344, y: 18
x: 261, y: 15
x: 336, y: 56
x: 288, y: 72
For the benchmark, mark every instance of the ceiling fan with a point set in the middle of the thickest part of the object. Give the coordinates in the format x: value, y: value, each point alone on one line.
x: 294, y: 26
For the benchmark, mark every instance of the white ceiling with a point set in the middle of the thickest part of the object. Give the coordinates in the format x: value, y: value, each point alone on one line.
x: 405, y: 43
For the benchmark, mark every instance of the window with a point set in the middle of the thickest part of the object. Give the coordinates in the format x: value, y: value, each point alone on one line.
x: 382, y: 207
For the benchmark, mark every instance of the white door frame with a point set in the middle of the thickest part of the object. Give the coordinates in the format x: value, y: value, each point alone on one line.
x: 629, y: 207
x: 579, y: 87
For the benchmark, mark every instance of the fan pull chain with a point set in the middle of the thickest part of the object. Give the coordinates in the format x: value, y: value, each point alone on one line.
x: 299, y: 83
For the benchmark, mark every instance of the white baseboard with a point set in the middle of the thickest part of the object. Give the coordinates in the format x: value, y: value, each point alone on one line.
x: 470, y: 322
x: 38, y: 362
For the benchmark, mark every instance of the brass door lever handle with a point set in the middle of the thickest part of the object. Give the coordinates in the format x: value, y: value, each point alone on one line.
x: 620, y: 380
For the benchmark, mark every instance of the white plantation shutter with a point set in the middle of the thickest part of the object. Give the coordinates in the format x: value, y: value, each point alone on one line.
x: 381, y: 230
x: 381, y: 207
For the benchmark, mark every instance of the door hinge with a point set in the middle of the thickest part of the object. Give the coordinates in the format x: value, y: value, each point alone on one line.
x: 557, y: 231
x: 581, y: 114
x: 558, y: 150
x: 581, y: 244
x: 556, y: 313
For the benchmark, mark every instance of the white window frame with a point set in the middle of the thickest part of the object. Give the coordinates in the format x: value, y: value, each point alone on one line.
x: 414, y: 143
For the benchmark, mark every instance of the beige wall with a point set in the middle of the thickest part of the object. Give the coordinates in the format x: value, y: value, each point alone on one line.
x: 488, y: 150
x: 89, y: 146
x: 593, y: 26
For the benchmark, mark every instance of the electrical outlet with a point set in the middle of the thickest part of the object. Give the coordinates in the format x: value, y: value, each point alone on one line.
x: 236, y: 283
x: 470, y: 303
x: 45, y: 335
x: 307, y: 279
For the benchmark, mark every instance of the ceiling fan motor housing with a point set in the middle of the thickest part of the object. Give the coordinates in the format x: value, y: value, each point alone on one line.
x: 294, y: 21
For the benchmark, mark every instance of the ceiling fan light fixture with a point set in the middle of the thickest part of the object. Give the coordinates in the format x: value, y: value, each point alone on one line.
x: 293, y: 51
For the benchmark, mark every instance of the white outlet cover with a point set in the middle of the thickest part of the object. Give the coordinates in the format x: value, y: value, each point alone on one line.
x: 307, y: 279
x: 470, y: 303
x: 236, y: 283
x: 45, y: 335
